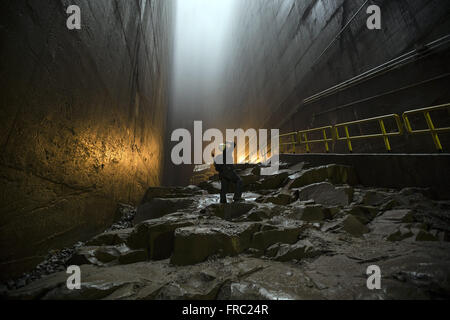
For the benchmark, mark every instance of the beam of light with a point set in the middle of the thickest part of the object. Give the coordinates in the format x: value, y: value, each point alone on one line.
x: 203, y: 29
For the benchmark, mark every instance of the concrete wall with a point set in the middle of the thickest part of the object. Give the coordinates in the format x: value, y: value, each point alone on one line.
x: 82, y: 118
x: 276, y: 64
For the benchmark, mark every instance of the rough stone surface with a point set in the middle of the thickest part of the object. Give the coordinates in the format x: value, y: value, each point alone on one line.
x: 157, y: 236
x: 170, y: 192
x: 229, y: 211
x: 364, y: 214
x: 336, y: 174
x: 111, y: 238
x: 195, y: 244
x: 300, y: 250
x: 157, y: 207
x: 326, y: 194
x: 269, y: 235
x: 352, y: 225
x: 83, y: 118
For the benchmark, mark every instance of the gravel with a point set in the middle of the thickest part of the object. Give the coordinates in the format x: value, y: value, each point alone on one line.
x: 56, y: 260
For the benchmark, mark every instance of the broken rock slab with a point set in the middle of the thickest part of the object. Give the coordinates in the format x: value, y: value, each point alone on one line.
x: 273, y: 281
x: 157, y: 235
x: 229, y: 211
x: 353, y: 226
x: 262, y: 212
x: 111, y: 238
x: 336, y: 174
x: 271, y: 181
x: 365, y: 214
x: 311, y: 212
x: 271, y: 234
x: 170, y: 192
x: 326, y: 194
x: 158, y: 207
x: 133, y: 256
x: 114, y: 282
x: 401, y: 234
x: 297, y: 251
x: 107, y: 256
x: 398, y: 216
x: 195, y: 244
x: 412, y: 234
x: 281, y: 198
x: 423, y: 235
x: 374, y: 198
x: 391, y: 224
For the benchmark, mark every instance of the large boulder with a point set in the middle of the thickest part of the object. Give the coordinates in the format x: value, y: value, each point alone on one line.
x: 157, y: 236
x: 392, y: 225
x: 336, y: 174
x: 374, y: 198
x: 269, y: 182
x: 271, y: 234
x: 297, y: 251
x: 158, y: 207
x: 365, y: 214
x: 195, y: 244
x: 326, y: 194
x: 353, y: 226
x: 310, y: 213
x: 250, y: 176
x: 398, y: 216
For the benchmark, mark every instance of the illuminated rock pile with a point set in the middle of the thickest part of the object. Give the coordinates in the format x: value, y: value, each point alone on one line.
x: 302, y: 233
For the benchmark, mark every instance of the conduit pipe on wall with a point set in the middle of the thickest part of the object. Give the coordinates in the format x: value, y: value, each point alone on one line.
x: 395, y: 63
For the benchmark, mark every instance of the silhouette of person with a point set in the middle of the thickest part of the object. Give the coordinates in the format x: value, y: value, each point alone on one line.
x: 224, y: 165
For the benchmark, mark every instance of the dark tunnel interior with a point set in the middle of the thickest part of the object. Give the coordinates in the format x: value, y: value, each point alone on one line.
x: 93, y: 94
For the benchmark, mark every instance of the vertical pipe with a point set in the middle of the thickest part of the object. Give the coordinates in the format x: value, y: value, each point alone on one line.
x: 349, y: 141
x: 434, y: 134
x: 385, y: 137
x: 326, y: 140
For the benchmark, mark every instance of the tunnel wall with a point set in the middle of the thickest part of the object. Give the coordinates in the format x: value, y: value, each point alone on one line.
x: 83, y: 118
x: 278, y: 61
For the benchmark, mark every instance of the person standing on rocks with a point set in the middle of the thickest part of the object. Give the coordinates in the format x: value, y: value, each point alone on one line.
x: 224, y: 165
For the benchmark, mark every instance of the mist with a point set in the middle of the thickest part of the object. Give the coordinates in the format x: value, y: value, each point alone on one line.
x: 202, y: 35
